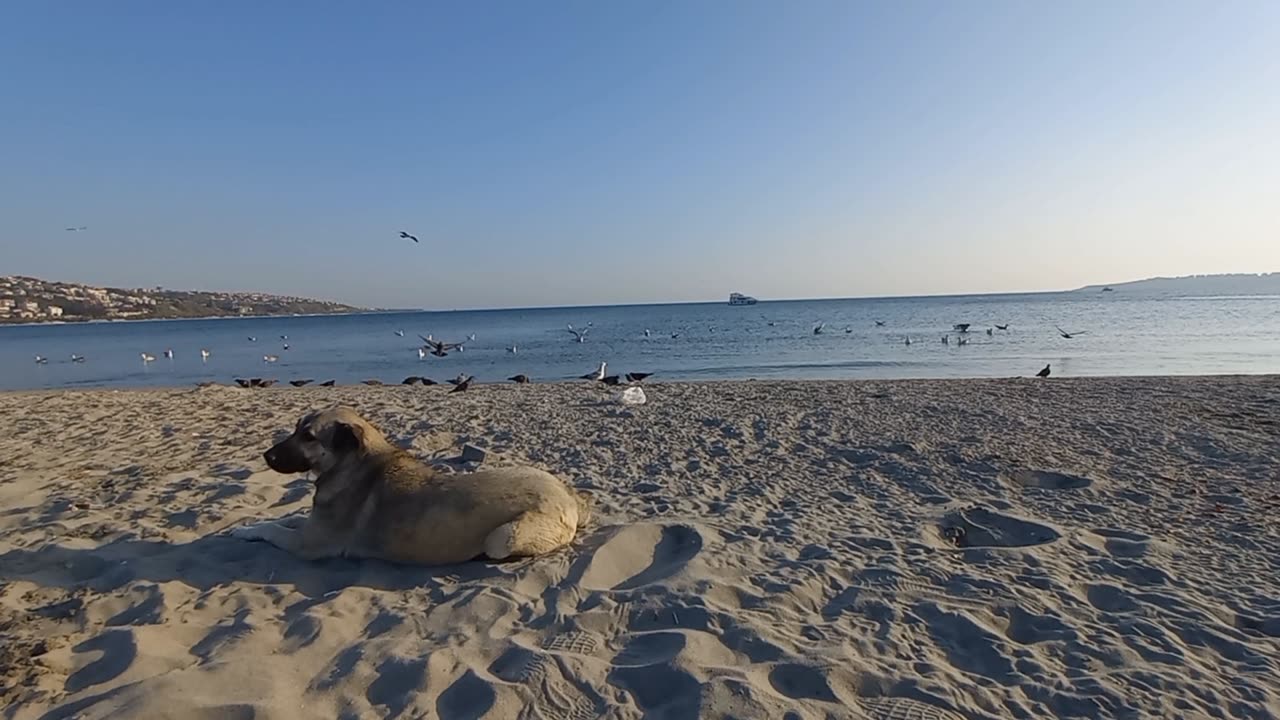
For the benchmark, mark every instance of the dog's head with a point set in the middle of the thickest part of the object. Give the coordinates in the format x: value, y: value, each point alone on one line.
x: 321, y: 440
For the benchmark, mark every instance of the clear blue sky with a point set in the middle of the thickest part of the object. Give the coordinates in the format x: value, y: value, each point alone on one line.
x: 601, y: 152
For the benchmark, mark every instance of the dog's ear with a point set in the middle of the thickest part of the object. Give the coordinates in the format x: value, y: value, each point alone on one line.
x: 347, y: 438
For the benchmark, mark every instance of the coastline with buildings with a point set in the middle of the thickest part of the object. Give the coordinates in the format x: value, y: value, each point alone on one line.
x: 32, y: 300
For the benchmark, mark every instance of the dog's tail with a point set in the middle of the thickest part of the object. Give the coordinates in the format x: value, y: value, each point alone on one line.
x: 584, y: 508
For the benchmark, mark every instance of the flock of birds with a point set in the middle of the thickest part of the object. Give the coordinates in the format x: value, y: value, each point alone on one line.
x: 439, y: 348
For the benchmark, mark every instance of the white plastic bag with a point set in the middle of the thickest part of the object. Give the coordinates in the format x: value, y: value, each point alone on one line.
x: 632, y: 396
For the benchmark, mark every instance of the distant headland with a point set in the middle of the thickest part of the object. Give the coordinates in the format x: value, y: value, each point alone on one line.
x: 32, y: 300
x: 1226, y: 284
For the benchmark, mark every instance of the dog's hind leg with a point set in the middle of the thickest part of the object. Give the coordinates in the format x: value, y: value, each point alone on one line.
x: 532, y: 533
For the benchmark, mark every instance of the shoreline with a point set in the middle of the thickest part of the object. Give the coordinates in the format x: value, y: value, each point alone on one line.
x: 980, y: 549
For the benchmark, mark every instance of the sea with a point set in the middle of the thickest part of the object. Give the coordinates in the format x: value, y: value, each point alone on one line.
x: 1113, y: 334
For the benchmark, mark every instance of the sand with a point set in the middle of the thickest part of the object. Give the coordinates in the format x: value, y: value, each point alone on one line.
x: 888, y: 550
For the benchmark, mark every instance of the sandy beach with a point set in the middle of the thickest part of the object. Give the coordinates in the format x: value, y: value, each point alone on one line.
x: 892, y: 550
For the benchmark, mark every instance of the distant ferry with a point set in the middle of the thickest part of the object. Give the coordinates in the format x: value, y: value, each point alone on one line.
x: 740, y: 299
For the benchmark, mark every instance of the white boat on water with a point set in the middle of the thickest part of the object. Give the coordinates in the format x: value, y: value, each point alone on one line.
x: 740, y: 299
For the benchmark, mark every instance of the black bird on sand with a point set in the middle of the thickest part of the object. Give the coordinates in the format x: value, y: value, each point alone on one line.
x: 411, y: 380
x: 462, y: 386
x: 407, y: 236
x: 611, y: 380
x: 328, y: 383
x: 372, y: 382
x: 244, y: 383
x: 636, y: 377
x: 520, y: 379
x: 1043, y: 373
x: 300, y: 383
x: 266, y: 383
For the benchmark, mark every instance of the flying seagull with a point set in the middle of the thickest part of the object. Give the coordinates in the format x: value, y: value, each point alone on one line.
x: 1043, y: 373
x: 1068, y: 335
x: 817, y: 330
x: 399, y: 333
x: 204, y: 355
x: 462, y: 384
x: 879, y: 323
x: 439, y: 349
x: 1002, y: 327
x: 580, y: 335
x: 407, y: 236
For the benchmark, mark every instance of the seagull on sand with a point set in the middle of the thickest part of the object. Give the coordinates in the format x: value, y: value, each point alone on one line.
x: 598, y: 374
x: 961, y: 327
x: 580, y: 335
x: 146, y: 358
x: 406, y: 236
x: 77, y: 358
x: 520, y: 379
x: 42, y: 360
x: 1043, y: 373
x: 328, y: 383
x: 634, y: 377
x: 1068, y: 335
x: 299, y: 383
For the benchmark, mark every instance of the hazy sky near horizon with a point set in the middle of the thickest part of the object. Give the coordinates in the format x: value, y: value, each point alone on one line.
x: 587, y: 152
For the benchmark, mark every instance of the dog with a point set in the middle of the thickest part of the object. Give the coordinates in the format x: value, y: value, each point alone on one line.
x: 374, y: 500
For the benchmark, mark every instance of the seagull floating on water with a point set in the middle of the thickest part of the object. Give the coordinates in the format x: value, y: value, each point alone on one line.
x: 42, y: 360
x: 908, y: 339
x: 168, y: 353
x: 646, y: 332
x: 285, y: 346
x: 406, y: 236
x: 990, y: 332
x: 270, y: 358
x: 1002, y: 327
x: 961, y: 327
x: 946, y: 339
x: 422, y: 353
x: 146, y: 358
x: 817, y: 330
x: 204, y: 355
x: 77, y: 358
x: 1043, y: 373
x: 962, y: 340
x: 513, y: 349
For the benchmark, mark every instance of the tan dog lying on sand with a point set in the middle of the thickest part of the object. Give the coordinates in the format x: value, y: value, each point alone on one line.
x: 375, y: 500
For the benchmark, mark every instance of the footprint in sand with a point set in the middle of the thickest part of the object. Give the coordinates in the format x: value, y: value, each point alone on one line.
x: 639, y: 555
x: 1046, y: 480
x: 980, y: 527
x: 904, y: 709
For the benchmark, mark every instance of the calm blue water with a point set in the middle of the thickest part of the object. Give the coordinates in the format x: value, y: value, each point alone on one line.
x: 1126, y: 335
